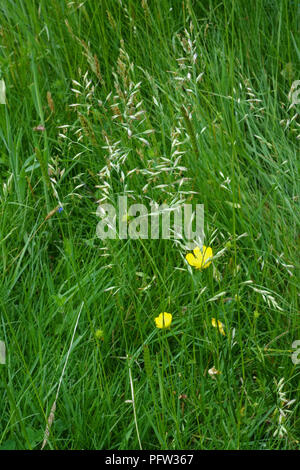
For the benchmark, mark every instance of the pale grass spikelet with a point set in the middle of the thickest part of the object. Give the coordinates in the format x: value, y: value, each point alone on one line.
x: 279, y: 260
x: 50, y: 102
x: 133, y: 403
x: 294, y: 93
x: 7, y: 186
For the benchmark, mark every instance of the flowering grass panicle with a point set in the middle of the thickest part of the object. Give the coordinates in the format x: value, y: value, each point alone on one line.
x: 218, y: 324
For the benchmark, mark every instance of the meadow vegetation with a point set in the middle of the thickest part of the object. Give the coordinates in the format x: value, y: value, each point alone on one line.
x: 167, y: 101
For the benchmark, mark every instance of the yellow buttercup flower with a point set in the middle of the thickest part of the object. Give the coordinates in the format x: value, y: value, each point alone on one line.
x: 163, y: 320
x: 99, y: 334
x: 220, y: 326
x: 200, y: 259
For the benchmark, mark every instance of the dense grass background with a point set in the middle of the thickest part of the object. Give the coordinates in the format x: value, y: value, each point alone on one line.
x: 149, y: 79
